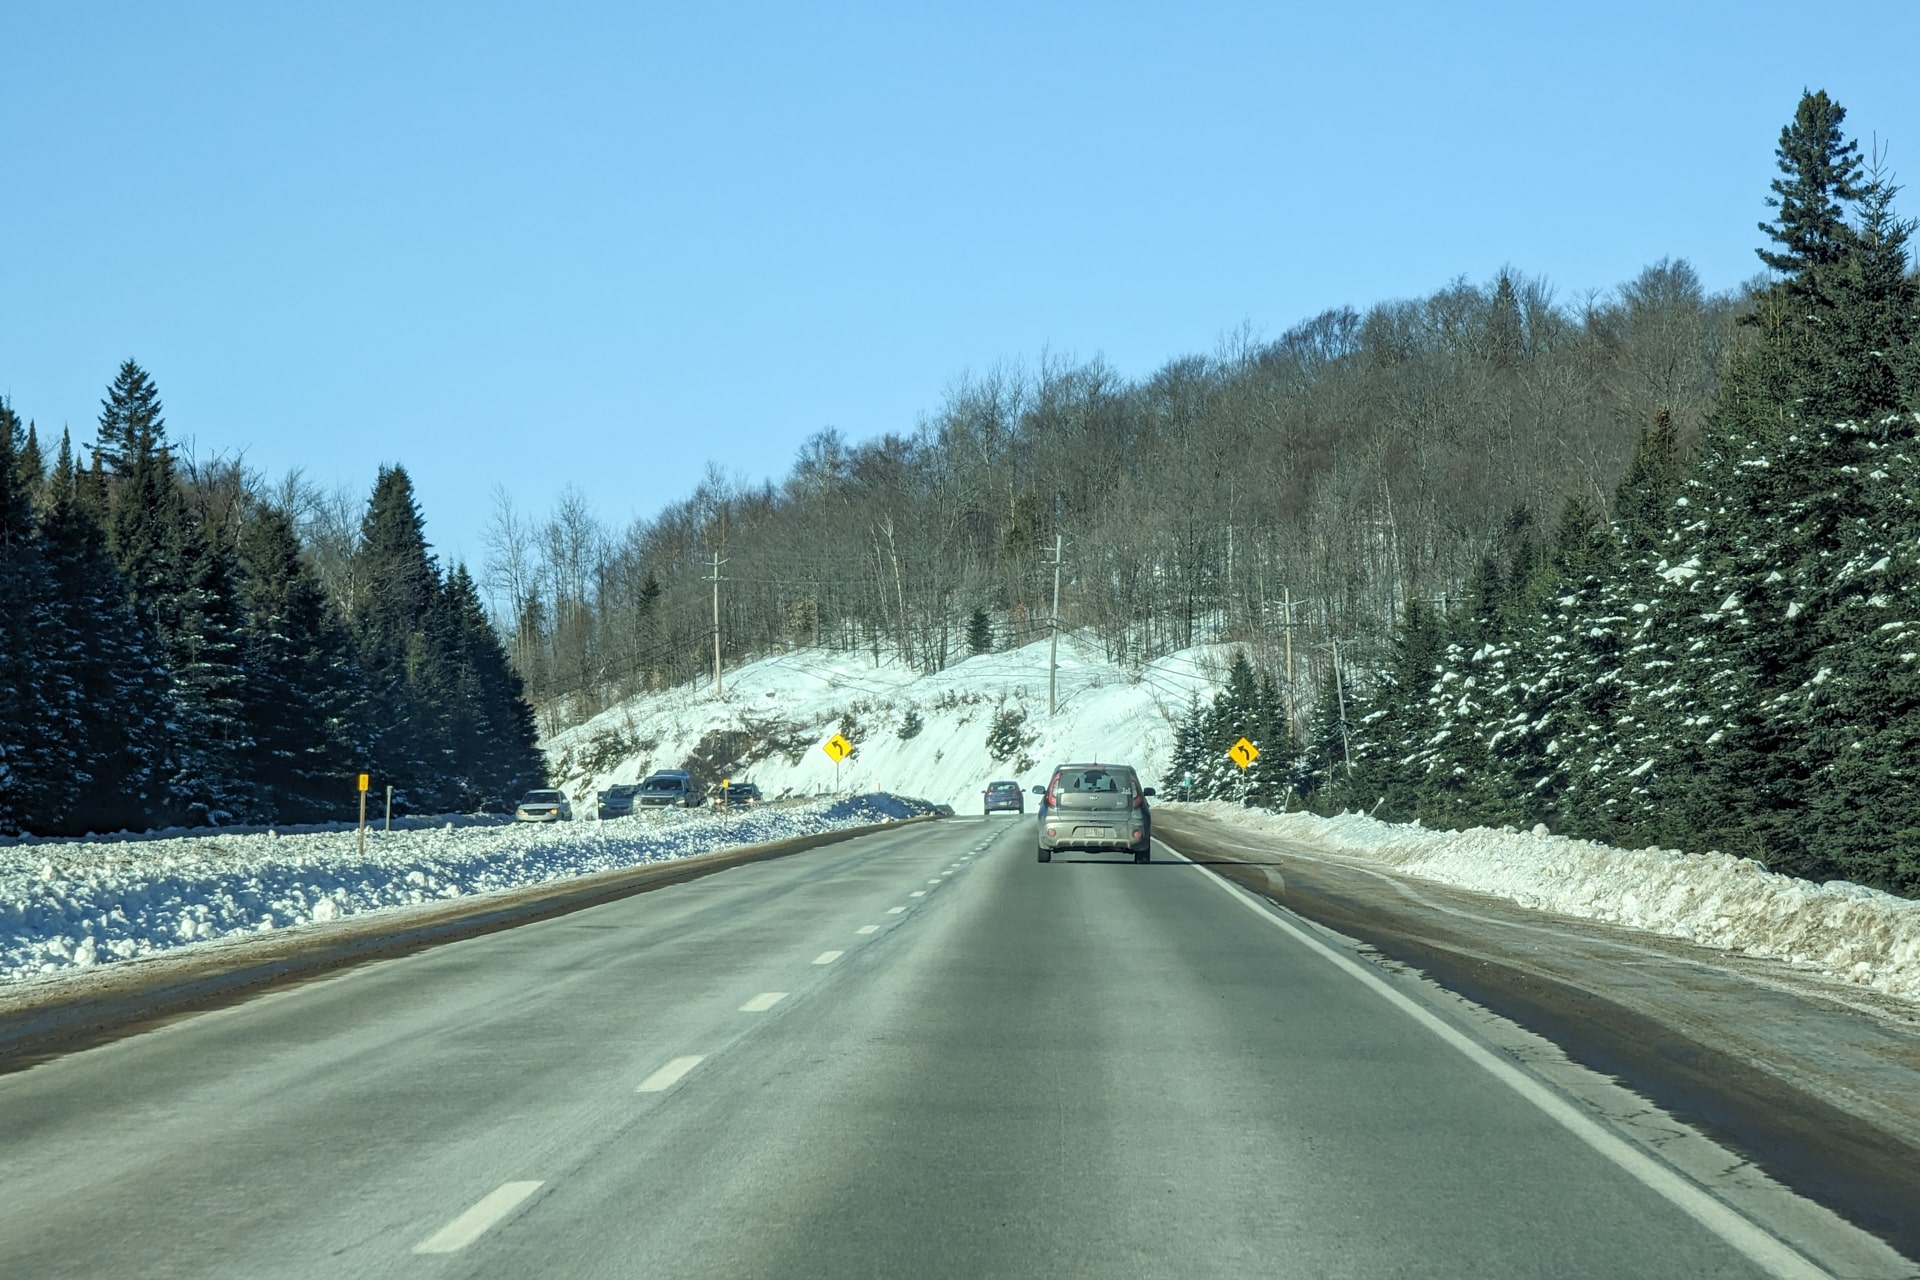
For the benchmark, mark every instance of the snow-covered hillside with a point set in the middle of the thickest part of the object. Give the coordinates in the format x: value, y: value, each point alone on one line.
x: 914, y: 734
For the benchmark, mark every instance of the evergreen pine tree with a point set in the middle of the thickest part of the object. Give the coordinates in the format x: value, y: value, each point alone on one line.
x: 37, y: 758
x: 494, y: 733
x: 30, y: 467
x: 402, y: 642
x: 1865, y: 352
x: 1404, y: 720
x: 979, y: 632
x: 110, y: 659
x: 301, y: 703
x: 129, y: 415
x: 1820, y: 171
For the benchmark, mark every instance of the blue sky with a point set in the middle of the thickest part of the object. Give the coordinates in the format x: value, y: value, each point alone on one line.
x: 599, y: 245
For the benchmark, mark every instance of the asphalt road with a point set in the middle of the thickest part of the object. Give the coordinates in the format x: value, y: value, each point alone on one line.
x: 919, y: 1053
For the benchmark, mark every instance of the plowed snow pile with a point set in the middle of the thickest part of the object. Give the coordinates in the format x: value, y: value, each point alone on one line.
x: 1857, y: 934
x: 76, y: 903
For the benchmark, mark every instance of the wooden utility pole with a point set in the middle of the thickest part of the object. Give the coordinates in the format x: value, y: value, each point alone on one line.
x: 716, y: 580
x: 1287, y: 592
x: 1340, y: 700
x: 1053, y: 647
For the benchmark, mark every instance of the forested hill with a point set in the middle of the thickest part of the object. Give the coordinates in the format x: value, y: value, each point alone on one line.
x: 169, y: 653
x: 1356, y: 463
x: 1723, y: 654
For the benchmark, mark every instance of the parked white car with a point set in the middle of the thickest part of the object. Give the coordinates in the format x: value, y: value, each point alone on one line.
x: 544, y: 806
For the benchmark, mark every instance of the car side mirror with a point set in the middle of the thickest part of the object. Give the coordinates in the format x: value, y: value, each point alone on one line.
x: 1039, y: 791
x: 1146, y: 791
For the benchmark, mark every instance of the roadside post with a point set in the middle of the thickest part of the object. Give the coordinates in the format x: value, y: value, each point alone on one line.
x: 389, y: 806
x: 363, y: 815
x: 839, y: 748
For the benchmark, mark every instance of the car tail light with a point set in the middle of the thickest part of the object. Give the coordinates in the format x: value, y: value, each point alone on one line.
x: 1049, y: 831
x: 1136, y: 835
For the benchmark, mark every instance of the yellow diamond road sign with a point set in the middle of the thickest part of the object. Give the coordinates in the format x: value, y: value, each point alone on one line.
x: 1243, y: 753
x: 837, y: 747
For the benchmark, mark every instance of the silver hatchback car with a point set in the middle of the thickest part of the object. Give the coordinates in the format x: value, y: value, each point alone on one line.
x: 1097, y: 808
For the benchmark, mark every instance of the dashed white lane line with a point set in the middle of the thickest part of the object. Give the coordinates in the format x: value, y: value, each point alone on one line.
x: 475, y: 1222
x: 763, y: 1002
x: 918, y: 893
x: 666, y: 1077
x: 935, y: 880
x: 828, y: 957
x: 868, y: 928
x: 894, y: 911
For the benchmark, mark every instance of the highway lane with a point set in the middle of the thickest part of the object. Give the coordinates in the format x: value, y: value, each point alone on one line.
x: 916, y: 1053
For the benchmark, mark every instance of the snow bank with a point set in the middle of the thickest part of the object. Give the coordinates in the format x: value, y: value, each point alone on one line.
x: 78, y: 903
x: 1857, y: 934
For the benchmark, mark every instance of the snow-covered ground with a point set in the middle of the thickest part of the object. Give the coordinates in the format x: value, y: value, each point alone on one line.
x: 1852, y: 933
x: 776, y: 713
x: 72, y: 904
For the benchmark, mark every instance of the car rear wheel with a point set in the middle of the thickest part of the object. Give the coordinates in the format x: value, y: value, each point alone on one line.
x: 1046, y: 855
x: 1145, y: 855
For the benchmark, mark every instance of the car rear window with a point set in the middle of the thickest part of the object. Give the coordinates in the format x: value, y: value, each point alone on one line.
x: 1098, y: 780
x: 664, y: 784
x: 1004, y: 786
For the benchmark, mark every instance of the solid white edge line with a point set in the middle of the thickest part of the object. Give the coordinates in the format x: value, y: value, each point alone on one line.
x: 763, y: 1002
x: 828, y: 957
x: 475, y: 1222
x: 1762, y: 1249
x: 669, y: 1075
x: 868, y: 928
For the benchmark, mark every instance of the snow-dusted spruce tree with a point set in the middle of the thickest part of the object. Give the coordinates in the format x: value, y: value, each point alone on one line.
x: 183, y: 579
x: 1189, y: 742
x: 37, y: 761
x: 109, y: 662
x: 1856, y: 715
x: 301, y: 702
x: 1622, y: 648
x: 1776, y: 536
x: 1556, y: 651
x: 1470, y: 698
x: 1396, y: 729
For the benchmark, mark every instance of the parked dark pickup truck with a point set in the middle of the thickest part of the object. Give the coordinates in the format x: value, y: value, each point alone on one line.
x: 669, y: 788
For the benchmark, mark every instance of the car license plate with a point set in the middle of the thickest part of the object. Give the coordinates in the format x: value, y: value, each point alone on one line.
x: 1097, y: 833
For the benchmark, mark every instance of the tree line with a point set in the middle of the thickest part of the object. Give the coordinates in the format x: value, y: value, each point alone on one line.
x: 1332, y: 477
x: 1725, y: 654
x: 170, y: 654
